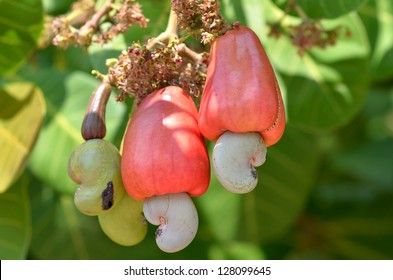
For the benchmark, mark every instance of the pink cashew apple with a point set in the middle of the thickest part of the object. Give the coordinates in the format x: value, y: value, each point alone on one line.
x: 241, y: 93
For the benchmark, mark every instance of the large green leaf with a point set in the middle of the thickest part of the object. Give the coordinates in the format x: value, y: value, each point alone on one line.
x: 67, y: 96
x: 377, y: 16
x: 15, y: 222
x: 20, y: 26
x: 22, y: 112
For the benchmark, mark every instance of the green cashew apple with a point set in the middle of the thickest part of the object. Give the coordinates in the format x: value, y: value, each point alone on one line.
x: 95, y: 165
x: 125, y: 223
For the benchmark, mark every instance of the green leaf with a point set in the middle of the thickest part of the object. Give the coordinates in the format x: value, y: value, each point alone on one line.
x: 20, y: 26
x: 284, y: 185
x: 220, y: 208
x: 378, y: 19
x: 370, y: 161
x: 21, y: 116
x: 234, y: 250
x: 329, y: 9
x: 15, y: 223
x: 67, y: 96
x: 352, y: 218
x: 55, y: 7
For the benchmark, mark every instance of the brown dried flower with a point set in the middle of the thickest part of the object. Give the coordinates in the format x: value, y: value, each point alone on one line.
x: 84, y: 24
x: 140, y: 71
x: 202, y: 17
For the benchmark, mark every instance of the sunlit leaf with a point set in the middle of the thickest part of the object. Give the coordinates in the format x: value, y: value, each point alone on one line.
x: 20, y: 26
x: 21, y: 115
x: 15, y: 222
x: 67, y: 97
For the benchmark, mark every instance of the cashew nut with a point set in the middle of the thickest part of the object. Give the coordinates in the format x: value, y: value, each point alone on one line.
x: 177, y: 218
x: 234, y: 157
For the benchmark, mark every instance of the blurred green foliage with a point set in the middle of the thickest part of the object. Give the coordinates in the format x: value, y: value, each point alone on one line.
x: 325, y: 192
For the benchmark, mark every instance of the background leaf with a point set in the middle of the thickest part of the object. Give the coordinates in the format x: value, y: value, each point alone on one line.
x: 285, y: 183
x: 349, y: 214
x: 22, y: 112
x: 15, y: 222
x: 320, y: 9
x: 20, y: 26
x: 55, y: 7
x: 67, y: 96
x: 329, y: 9
x: 377, y: 16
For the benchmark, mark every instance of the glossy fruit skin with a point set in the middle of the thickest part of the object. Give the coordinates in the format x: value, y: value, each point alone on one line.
x: 241, y: 93
x: 163, y: 150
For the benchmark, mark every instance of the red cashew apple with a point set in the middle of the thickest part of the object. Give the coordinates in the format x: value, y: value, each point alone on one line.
x: 242, y: 97
x: 165, y: 161
x: 163, y: 150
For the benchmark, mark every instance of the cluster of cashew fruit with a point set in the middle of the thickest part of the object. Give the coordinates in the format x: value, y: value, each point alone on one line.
x: 165, y: 161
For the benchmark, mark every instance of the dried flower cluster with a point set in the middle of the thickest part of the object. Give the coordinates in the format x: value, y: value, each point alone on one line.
x: 200, y: 17
x: 128, y: 14
x: 306, y: 35
x: 309, y: 33
x: 85, y: 23
x: 140, y: 71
